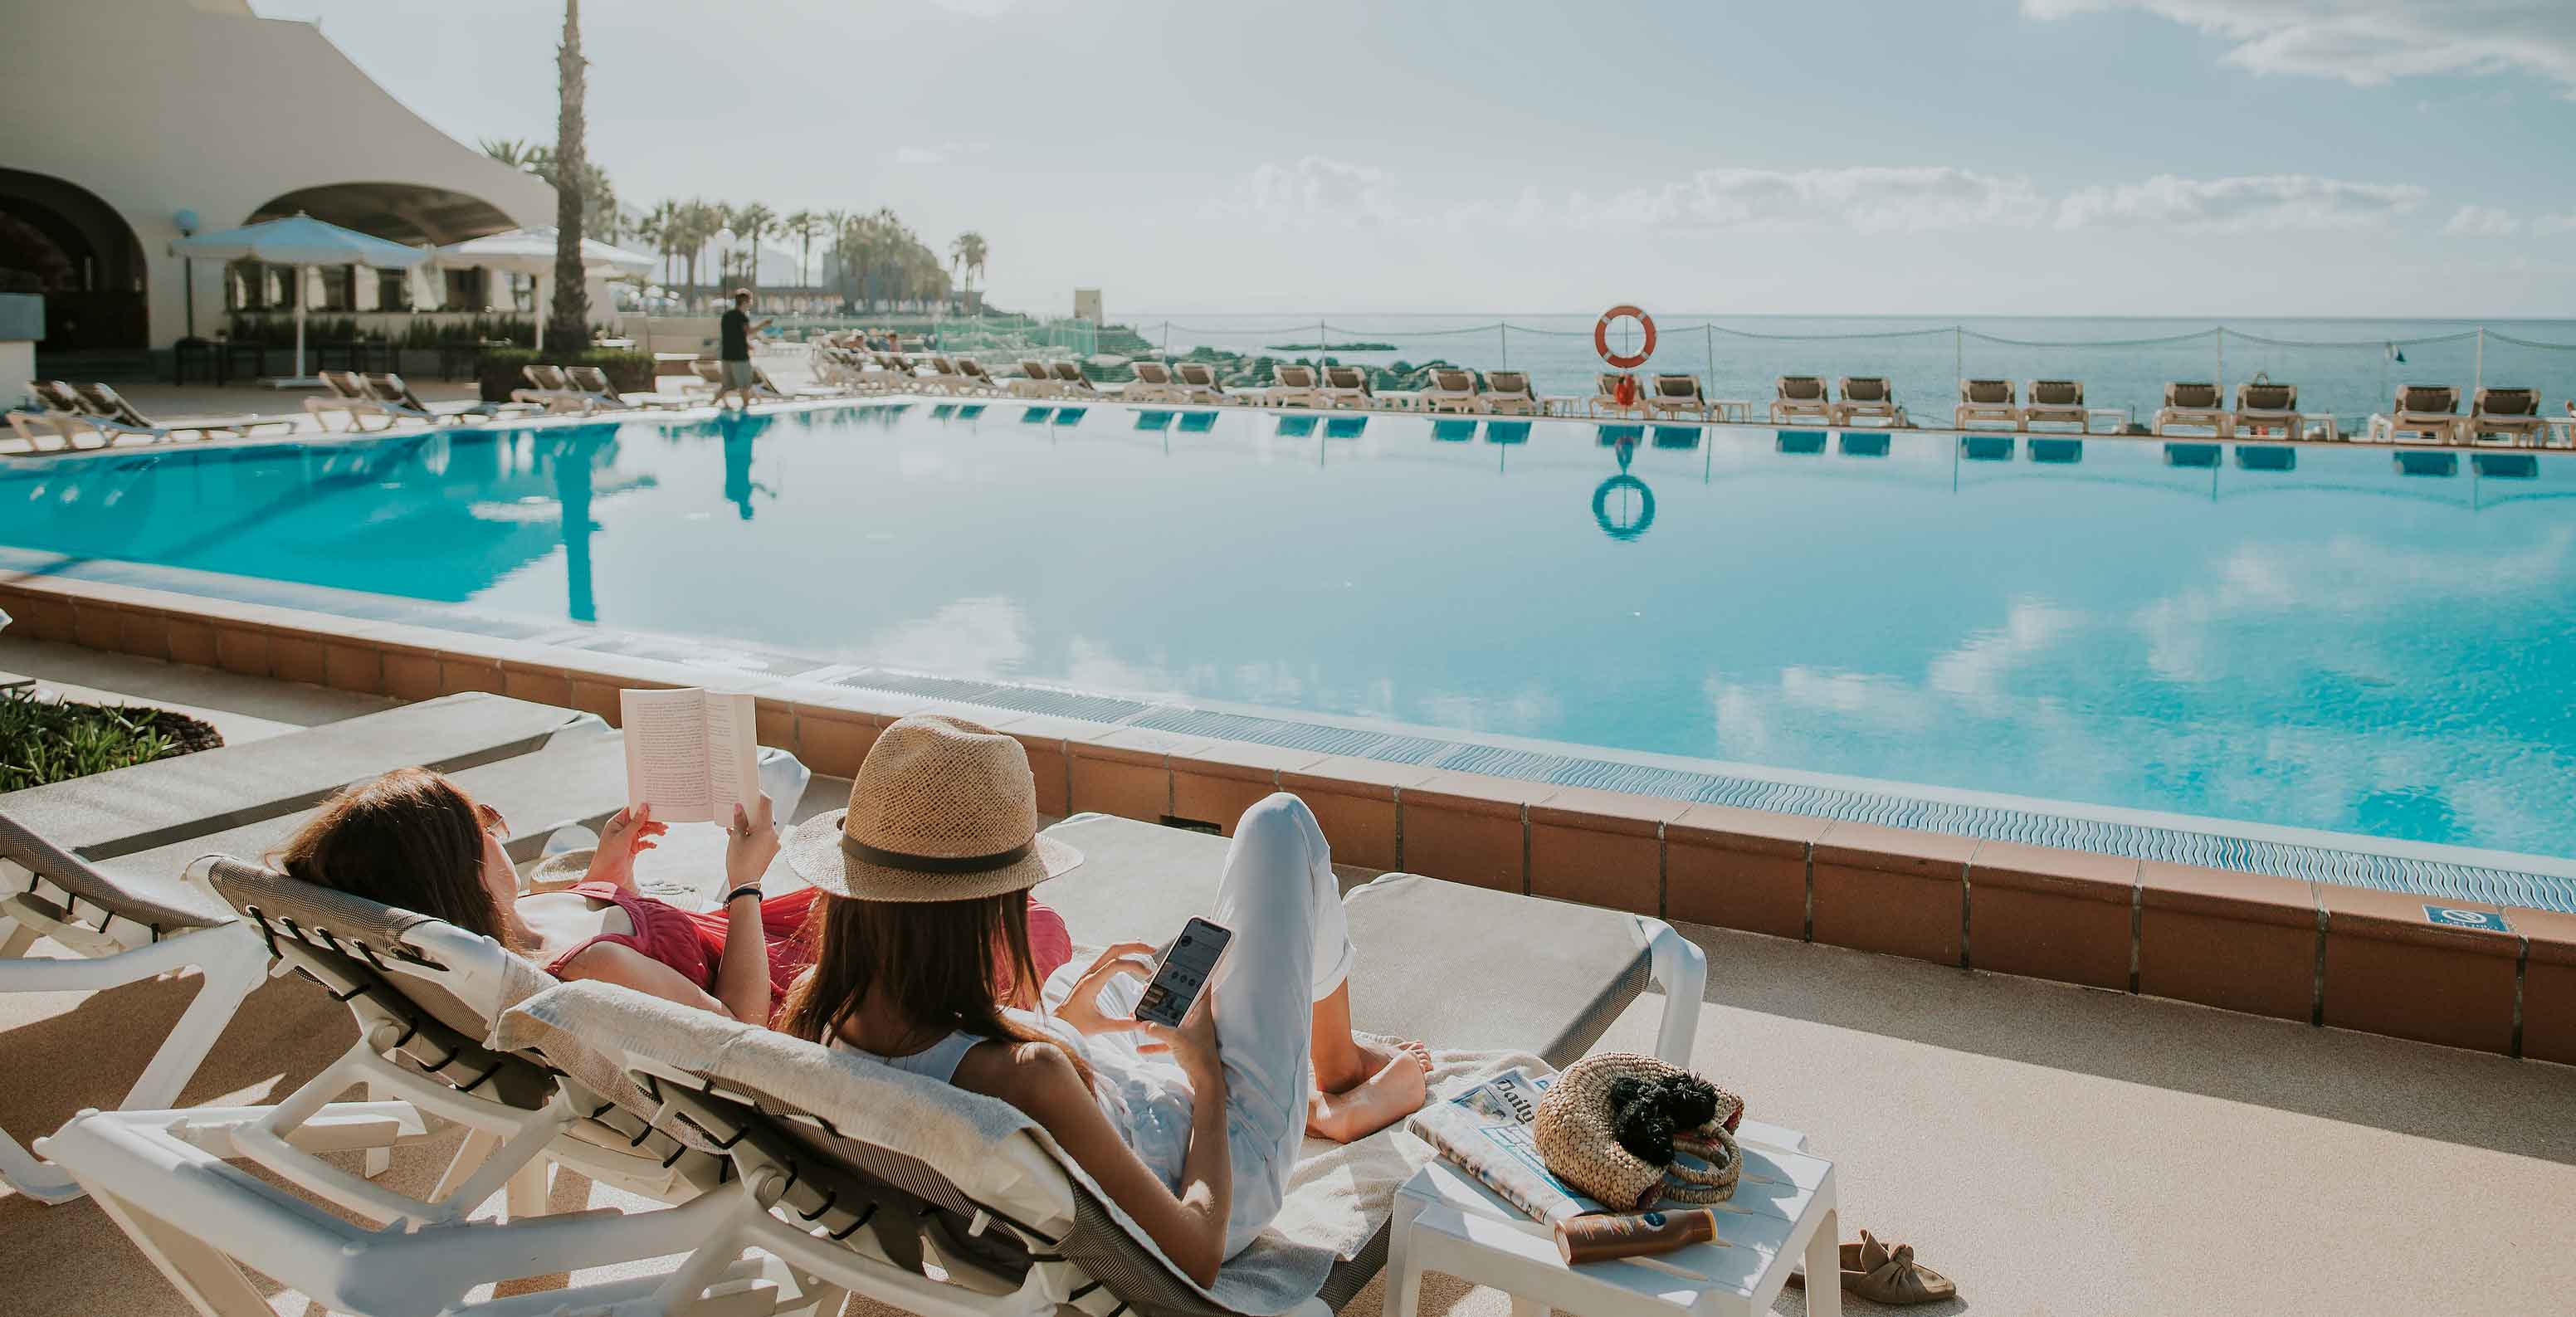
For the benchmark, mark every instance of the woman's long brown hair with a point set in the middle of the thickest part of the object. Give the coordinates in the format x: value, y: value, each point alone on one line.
x: 939, y: 963
x: 409, y: 839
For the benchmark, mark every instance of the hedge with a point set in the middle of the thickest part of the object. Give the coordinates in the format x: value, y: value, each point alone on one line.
x: 498, y: 370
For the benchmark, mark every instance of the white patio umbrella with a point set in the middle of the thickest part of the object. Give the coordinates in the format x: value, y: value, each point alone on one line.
x: 532, y: 252
x: 301, y: 241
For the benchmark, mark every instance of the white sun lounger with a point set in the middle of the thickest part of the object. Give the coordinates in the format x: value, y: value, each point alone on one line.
x: 103, y: 403
x: 1986, y: 403
x: 1801, y: 398
x: 548, y: 388
x: 1451, y: 389
x: 1153, y: 383
x: 392, y: 398
x: 2056, y: 402
x: 1345, y: 386
x: 345, y: 393
x: 1293, y: 385
x: 943, y: 376
x: 1677, y: 395
x: 129, y: 916
x: 1508, y: 393
x: 1035, y: 381
x: 978, y: 379
x: 120, y: 931
x: 2513, y: 413
x: 594, y: 383
x: 1605, y: 396
x: 1071, y: 382
x: 2194, y: 403
x: 1870, y: 396
x: 2423, y: 410
x: 1198, y: 383
x: 2262, y: 405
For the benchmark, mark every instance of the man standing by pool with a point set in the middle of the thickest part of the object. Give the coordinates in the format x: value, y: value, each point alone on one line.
x: 735, y: 330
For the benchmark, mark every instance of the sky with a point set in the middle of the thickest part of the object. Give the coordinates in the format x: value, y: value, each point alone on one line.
x: 2198, y: 158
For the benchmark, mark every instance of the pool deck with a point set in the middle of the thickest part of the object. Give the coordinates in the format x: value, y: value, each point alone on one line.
x: 2054, y: 1149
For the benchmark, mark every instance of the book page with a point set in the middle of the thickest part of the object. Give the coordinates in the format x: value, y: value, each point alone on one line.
x: 666, y: 754
x: 732, y: 756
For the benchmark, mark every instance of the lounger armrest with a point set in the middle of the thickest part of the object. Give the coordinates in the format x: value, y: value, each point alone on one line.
x: 1680, y: 969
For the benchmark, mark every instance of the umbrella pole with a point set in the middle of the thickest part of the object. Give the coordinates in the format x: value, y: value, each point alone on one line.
x: 541, y: 313
x: 299, y: 324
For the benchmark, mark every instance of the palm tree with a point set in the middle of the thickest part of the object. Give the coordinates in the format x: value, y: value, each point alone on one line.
x: 969, y: 251
x: 509, y: 151
x: 661, y: 227
x: 751, y: 223
x: 569, y: 317
x: 698, y: 221
x: 800, y: 225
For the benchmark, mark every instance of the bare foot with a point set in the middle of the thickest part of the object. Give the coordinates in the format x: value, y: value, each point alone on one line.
x: 1394, y: 1091
x: 1366, y: 1057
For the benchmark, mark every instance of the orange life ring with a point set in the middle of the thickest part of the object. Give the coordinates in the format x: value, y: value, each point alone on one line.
x: 1601, y: 337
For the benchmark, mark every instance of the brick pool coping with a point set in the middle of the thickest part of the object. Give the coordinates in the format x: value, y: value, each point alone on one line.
x: 2296, y: 949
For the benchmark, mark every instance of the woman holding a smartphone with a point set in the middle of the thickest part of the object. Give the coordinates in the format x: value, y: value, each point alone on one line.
x: 1193, y: 1128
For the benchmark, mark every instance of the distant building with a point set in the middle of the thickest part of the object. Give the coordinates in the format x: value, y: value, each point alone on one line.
x: 118, y: 115
x: 1086, y: 306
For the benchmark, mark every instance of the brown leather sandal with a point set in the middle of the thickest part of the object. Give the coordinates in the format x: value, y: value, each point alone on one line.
x: 1891, y: 1276
x: 1880, y: 1274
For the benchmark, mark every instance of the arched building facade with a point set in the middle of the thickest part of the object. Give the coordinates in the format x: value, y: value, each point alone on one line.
x: 231, y: 118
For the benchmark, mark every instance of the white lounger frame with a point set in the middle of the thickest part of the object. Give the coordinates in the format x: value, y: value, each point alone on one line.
x: 165, y: 1178
x: 111, y: 954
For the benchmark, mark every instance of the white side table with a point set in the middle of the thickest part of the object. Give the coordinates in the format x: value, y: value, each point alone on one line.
x: 1782, y: 1214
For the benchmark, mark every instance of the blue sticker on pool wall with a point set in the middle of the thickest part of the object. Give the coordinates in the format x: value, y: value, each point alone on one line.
x: 2444, y: 916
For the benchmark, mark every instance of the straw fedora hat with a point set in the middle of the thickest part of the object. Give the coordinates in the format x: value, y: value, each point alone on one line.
x: 942, y: 810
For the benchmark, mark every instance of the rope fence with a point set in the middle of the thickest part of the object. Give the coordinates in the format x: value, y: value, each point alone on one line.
x: 1925, y: 364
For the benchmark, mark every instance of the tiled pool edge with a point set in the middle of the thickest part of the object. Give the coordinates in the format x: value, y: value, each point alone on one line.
x: 2289, y: 947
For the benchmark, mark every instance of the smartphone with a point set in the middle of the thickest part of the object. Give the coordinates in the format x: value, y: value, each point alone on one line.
x: 1183, y: 973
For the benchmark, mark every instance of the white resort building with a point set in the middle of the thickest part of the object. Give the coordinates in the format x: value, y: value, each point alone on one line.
x: 127, y: 123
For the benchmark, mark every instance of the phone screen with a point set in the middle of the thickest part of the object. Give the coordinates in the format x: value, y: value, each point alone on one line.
x: 1185, y: 969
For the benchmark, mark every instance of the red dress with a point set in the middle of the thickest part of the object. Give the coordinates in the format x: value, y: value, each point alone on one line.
x: 692, y: 941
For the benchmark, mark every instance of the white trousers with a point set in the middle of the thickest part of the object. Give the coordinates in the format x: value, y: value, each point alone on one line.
x: 1291, y: 949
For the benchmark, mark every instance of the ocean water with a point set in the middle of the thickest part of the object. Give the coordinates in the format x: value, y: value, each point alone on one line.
x: 2347, y: 638
x: 2348, y: 367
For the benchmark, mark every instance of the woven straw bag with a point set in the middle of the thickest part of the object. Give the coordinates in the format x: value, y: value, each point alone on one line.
x: 1611, y: 1124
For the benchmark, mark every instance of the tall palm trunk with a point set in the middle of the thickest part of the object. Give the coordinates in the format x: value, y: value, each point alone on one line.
x: 568, y: 319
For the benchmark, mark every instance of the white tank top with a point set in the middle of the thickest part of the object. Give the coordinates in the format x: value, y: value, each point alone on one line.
x: 937, y: 1061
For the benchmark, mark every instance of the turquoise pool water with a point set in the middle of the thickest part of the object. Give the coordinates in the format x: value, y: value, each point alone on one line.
x: 2338, y: 638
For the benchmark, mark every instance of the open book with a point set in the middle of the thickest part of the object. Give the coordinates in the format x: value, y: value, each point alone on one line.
x: 690, y: 754
x: 1487, y: 1130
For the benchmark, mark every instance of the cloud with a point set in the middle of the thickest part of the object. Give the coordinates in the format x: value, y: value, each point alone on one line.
x: 2245, y: 202
x: 2555, y: 223
x: 1313, y: 189
x: 1319, y: 191
x: 934, y: 153
x: 2482, y: 222
x: 1866, y: 199
x: 2368, y: 43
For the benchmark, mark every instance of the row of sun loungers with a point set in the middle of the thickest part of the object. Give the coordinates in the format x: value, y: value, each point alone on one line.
x: 837, y: 1170
x: 96, y: 416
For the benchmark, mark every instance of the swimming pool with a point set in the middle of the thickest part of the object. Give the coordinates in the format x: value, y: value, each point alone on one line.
x: 2351, y: 639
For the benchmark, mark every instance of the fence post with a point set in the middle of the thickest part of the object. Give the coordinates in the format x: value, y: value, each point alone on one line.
x: 2219, y: 336
x: 2481, y: 370
x: 1708, y: 334
x: 1506, y: 331
x: 1959, y: 360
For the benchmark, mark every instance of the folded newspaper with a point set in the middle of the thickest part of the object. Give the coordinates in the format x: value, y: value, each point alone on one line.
x: 1487, y: 1130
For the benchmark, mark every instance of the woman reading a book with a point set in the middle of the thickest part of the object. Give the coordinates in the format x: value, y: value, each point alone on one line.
x: 1191, y: 1130
x: 414, y: 840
